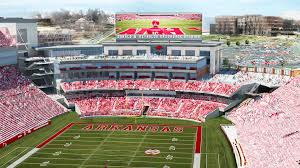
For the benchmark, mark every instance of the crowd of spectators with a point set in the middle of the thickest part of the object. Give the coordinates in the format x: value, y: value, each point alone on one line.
x: 242, y: 78
x: 181, y: 16
x: 22, y: 105
x: 133, y: 106
x: 192, y: 86
x: 269, y: 128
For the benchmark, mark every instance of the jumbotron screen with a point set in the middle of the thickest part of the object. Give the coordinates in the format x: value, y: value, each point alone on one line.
x: 158, y: 25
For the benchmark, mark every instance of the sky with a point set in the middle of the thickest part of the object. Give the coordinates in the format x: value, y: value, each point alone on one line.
x: 209, y: 8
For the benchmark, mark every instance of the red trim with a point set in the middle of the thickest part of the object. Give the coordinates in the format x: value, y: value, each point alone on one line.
x: 144, y: 77
x: 91, y: 67
x: 162, y: 77
x: 108, y: 67
x: 55, y: 135
x: 144, y: 67
x: 21, y: 135
x: 198, y: 140
x: 179, y: 77
x: 161, y: 67
x: 75, y: 68
x: 178, y: 67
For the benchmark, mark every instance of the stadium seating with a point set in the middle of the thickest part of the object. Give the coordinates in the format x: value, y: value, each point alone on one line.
x: 128, y: 106
x: 242, y: 78
x: 195, y: 86
x: 186, y: 16
x: 22, y: 105
x: 268, y: 127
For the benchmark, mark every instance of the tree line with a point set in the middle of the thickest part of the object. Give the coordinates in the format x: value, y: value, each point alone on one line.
x: 63, y: 16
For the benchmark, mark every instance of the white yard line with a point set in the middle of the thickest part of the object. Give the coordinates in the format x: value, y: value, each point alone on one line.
x: 63, y: 164
x: 219, y: 160
x: 120, y: 142
x: 98, y: 147
x: 149, y: 135
x: 206, y: 161
x: 194, y: 146
x: 186, y: 153
x: 164, y: 147
x: 138, y: 148
x: 115, y: 160
x: 126, y: 142
x: 9, y: 153
x: 127, y: 133
x: 24, y: 157
x: 76, y: 154
x: 51, y: 133
x: 197, y: 158
x: 206, y: 146
x: 15, y: 156
x: 150, y: 162
x: 168, y: 138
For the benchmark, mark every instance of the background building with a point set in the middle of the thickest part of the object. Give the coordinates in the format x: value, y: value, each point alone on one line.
x: 254, y: 25
x: 55, y: 37
x: 24, y: 31
x: 18, y: 37
x: 158, y: 53
x: 226, y: 25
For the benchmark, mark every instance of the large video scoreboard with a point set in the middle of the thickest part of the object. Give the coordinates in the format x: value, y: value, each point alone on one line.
x: 159, y: 25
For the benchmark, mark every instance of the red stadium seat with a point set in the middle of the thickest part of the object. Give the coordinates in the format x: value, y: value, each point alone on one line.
x: 22, y: 105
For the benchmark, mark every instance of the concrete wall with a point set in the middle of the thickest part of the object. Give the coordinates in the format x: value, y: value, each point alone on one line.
x: 8, y: 56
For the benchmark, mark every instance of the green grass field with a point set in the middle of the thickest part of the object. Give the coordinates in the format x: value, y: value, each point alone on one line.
x: 122, y: 149
x: 164, y: 23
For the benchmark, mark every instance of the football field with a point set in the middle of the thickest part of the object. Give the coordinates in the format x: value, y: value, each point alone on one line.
x: 110, y: 145
x: 75, y: 147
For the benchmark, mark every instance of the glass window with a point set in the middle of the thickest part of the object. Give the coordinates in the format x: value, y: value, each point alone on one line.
x: 127, y: 52
x: 141, y: 52
x: 190, y: 52
x: 176, y: 53
x: 205, y: 53
x: 113, y: 52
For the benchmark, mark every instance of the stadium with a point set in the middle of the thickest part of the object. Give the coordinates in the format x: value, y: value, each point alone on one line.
x: 153, y: 97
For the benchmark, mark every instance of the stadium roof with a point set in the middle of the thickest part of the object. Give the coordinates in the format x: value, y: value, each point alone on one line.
x: 17, y: 20
x: 67, y: 46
